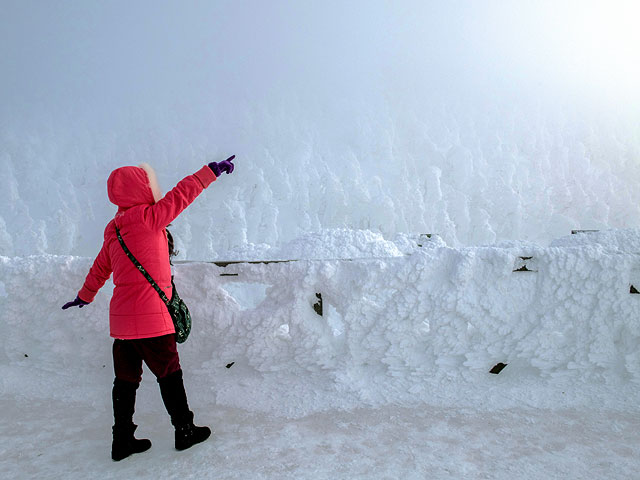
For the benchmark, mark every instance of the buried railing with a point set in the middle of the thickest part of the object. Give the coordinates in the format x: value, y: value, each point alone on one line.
x: 525, y: 263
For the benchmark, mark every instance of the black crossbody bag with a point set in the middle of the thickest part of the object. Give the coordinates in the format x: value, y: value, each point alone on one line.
x: 176, y: 306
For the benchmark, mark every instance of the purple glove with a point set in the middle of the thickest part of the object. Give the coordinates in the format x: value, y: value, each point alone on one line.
x: 78, y: 302
x: 225, y: 166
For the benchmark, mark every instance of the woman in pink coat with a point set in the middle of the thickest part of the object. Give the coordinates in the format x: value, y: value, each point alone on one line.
x: 138, y: 318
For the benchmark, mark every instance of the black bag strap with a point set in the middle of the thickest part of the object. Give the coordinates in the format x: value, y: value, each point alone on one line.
x: 141, y: 269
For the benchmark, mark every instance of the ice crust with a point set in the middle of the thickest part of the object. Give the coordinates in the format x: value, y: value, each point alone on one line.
x: 425, y: 327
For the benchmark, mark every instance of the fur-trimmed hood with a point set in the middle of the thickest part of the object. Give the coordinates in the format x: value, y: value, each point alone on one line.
x: 130, y: 186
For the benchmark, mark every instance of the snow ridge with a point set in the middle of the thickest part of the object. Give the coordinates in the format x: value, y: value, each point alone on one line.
x: 402, y: 330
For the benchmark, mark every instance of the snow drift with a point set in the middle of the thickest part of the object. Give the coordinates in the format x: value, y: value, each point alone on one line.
x: 400, y: 330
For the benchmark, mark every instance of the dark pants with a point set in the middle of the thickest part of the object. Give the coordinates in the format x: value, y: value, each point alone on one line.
x: 159, y: 353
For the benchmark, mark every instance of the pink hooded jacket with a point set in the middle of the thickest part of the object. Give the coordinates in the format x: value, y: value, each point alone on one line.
x: 136, y: 310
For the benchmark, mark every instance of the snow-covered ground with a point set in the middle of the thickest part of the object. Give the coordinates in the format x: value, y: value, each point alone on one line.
x: 391, y: 381
x: 51, y: 439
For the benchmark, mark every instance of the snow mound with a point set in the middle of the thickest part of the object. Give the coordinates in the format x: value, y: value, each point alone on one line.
x: 299, y: 337
x: 338, y: 243
x: 624, y: 241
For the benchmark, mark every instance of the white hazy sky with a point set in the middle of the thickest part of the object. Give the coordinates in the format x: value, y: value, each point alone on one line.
x: 97, y: 59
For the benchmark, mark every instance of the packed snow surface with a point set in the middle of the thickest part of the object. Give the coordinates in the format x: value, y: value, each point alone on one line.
x: 397, y: 359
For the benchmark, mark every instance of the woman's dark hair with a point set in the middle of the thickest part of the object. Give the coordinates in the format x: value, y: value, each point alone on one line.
x: 172, y: 251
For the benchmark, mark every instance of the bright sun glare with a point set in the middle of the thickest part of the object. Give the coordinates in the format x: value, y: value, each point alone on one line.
x: 604, y: 42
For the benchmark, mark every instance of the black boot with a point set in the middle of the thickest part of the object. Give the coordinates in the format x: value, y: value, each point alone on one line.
x: 188, y: 435
x: 175, y: 401
x: 124, y: 443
